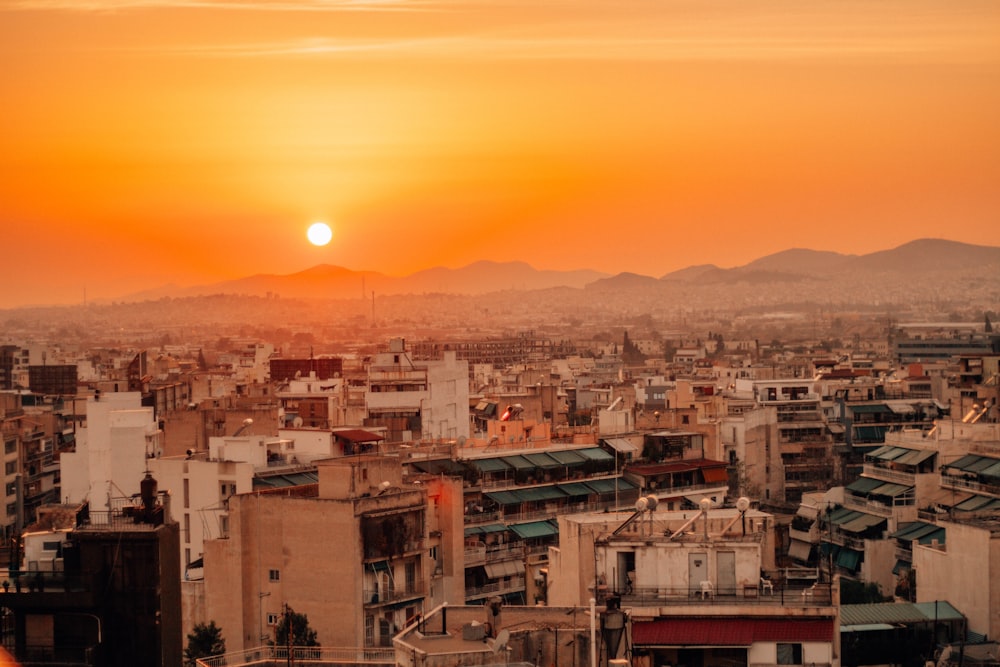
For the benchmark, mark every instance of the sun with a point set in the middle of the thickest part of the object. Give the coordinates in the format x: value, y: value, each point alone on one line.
x: 319, y: 233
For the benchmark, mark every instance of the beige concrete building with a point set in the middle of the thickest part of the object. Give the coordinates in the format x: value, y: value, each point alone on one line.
x: 965, y: 572
x: 696, y: 587
x: 360, y: 554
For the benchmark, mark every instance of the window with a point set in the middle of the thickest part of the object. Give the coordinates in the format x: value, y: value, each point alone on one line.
x: 187, y: 493
x: 10, y: 446
x: 274, y: 575
x: 789, y: 654
x: 11, y: 467
x: 227, y: 489
x: 12, y: 489
x: 272, y: 619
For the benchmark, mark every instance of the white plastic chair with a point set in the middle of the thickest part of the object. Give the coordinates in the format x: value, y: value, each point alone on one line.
x: 707, y: 590
x: 766, y: 586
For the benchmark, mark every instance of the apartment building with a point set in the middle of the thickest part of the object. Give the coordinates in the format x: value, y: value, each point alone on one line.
x: 387, y: 560
x: 700, y: 586
x: 416, y: 399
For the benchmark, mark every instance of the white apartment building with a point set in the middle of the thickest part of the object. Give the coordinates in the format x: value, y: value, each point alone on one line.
x: 418, y: 399
x: 112, y: 451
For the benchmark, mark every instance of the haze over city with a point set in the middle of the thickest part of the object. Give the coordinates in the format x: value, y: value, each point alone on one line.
x: 147, y: 143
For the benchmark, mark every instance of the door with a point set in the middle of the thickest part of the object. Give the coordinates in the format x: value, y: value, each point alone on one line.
x: 697, y: 570
x: 725, y: 580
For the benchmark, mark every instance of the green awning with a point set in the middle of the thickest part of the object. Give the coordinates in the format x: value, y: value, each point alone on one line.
x: 873, y: 433
x: 991, y: 471
x: 889, y: 453
x: 608, y: 485
x: 861, y: 523
x: 864, y: 485
x: 940, y: 535
x: 869, y: 408
x: 891, y: 490
x: 843, y: 515
x: 518, y: 462
x: 849, y: 559
x: 379, y: 566
x: 915, y: 456
x: 539, y: 493
x: 567, y: 457
x: 576, y: 489
x: 963, y: 462
x: 914, y: 530
x: 490, y: 465
x: 878, y: 452
x: 535, y: 529
x: 542, y: 460
x: 504, y: 497
x: 595, y: 454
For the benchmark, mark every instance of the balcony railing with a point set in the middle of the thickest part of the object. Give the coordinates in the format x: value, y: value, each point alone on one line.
x: 954, y: 481
x: 777, y: 594
x: 512, y: 585
x: 869, y: 506
x: 279, y: 655
x: 888, y: 475
x: 383, y: 594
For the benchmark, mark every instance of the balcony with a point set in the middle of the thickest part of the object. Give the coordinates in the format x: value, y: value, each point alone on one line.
x: 887, y: 475
x: 867, y: 506
x: 957, y: 482
x: 783, y: 595
x: 381, y: 595
x: 512, y: 585
x: 313, y: 655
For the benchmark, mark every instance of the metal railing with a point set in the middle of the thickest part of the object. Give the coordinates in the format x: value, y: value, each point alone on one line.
x: 889, y: 475
x: 972, y: 485
x: 315, y: 655
x: 513, y: 585
x: 778, y: 594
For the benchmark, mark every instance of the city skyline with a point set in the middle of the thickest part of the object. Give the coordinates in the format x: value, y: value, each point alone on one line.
x: 151, y: 142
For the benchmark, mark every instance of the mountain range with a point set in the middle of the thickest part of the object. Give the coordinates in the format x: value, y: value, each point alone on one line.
x: 909, y: 262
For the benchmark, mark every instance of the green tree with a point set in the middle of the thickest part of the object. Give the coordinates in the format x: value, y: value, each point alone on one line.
x: 293, y: 630
x: 204, y: 641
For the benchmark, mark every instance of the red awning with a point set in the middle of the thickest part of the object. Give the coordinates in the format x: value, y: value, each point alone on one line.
x: 729, y: 631
x: 715, y: 474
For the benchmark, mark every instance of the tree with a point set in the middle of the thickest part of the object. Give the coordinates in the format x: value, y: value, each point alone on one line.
x: 298, y: 625
x: 204, y: 641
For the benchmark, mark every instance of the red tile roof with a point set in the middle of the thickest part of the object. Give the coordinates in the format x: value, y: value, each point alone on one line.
x: 730, y: 631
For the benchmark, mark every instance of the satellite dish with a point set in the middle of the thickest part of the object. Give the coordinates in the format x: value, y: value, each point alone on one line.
x: 652, y: 502
x: 705, y: 504
x: 743, y: 504
x: 297, y: 422
x: 500, y: 643
x: 641, y: 505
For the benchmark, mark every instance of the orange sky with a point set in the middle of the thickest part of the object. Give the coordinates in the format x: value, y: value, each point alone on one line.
x: 146, y: 142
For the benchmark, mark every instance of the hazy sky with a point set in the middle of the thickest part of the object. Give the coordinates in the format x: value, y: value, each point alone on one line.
x: 144, y: 142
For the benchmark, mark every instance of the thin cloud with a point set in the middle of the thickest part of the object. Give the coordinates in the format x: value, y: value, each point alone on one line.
x: 609, y: 48
x: 235, y: 5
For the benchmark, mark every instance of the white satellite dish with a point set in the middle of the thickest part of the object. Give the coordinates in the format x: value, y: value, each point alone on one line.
x: 652, y: 502
x: 705, y: 504
x: 743, y: 504
x: 297, y: 422
x: 500, y: 643
x: 641, y: 505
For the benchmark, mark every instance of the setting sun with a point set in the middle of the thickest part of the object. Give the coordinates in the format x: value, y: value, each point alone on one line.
x: 319, y: 233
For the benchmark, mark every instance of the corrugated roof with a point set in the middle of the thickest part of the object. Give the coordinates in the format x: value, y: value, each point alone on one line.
x: 896, y: 612
x: 729, y: 631
x: 358, y: 435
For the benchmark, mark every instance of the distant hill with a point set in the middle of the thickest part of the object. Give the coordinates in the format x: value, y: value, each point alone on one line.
x: 910, y: 260
x: 798, y: 266
x: 335, y: 282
